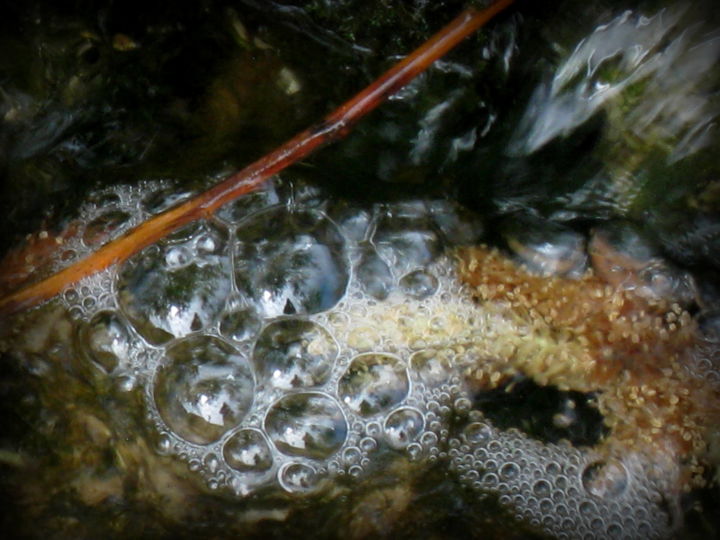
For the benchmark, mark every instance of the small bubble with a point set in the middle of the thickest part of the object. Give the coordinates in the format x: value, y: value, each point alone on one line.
x: 373, y: 429
x: 478, y: 433
x: 429, y: 439
x: 403, y: 426
x: 462, y: 405
x: 419, y: 284
x: 605, y: 479
x: 368, y: 444
x: 211, y: 463
x: 546, y: 505
x: 542, y: 488
x: 298, y: 477
x: 248, y: 451
x: 415, y: 451
x: 164, y: 444
x: 352, y: 455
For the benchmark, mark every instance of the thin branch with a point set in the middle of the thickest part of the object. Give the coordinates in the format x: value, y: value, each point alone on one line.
x: 334, y: 127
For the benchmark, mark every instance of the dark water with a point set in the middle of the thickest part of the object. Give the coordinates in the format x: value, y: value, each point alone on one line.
x: 576, y: 113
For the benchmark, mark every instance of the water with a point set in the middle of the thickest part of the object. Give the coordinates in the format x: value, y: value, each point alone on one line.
x: 306, y: 359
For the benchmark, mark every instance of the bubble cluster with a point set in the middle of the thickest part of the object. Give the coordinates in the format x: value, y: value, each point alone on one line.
x: 291, y: 339
x: 561, y: 490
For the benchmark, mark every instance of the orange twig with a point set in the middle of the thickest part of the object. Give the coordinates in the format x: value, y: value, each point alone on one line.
x: 334, y: 127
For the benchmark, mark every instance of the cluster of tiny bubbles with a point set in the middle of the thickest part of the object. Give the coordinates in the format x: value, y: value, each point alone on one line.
x: 561, y: 490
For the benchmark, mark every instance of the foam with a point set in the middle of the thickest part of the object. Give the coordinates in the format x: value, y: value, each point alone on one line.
x: 259, y: 376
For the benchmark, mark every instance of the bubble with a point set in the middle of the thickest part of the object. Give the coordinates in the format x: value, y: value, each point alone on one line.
x: 373, y: 429
x: 403, y: 426
x: 478, y: 433
x: 298, y: 477
x: 429, y: 439
x: 546, y: 505
x: 509, y: 471
x: 419, y: 284
x: 614, y: 531
x: 368, y: 444
x: 432, y: 367
x: 241, y: 325
x: 170, y: 290
x: 406, y: 242
x: 352, y: 455
x: 177, y: 257
x: 203, y: 389
x: 211, y: 463
x: 373, y: 274
x: 542, y: 488
x: 309, y: 424
x: 164, y: 198
x: 373, y: 383
x: 546, y: 247
x: 248, y: 451
x: 247, y: 205
x: 164, y: 444
x: 103, y: 228
x: 294, y: 353
x: 587, y: 508
x: 291, y: 262
x: 105, y: 340
x: 415, y: 451
x: 605, y: 479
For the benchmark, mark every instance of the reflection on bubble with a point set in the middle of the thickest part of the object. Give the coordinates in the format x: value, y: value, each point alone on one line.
x: 241, y: 325
x: 176, y: 287
x: 297, y: 477
x: 309, y: 424
x: 374, y: 274
x: 294, y: 353
x: 605, y: 479
x: 291, y: 262
x: 373, y: 383
x: 403, y: 426
x: 432, y: 367
x: 419, y: 284
x: 105, y: 340
x: 247, y: 451
x: 204, y: 388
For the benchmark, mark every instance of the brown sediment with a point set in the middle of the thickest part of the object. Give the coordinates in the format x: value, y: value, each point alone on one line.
x: 335, y: 126
x: 640, y: 357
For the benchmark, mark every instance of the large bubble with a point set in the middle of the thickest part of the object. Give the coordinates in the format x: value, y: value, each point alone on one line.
x: 309, y: 424
x: 203, y: 389
x: 294, y: 353
x: 290, y: 262
x: 178, y: 286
